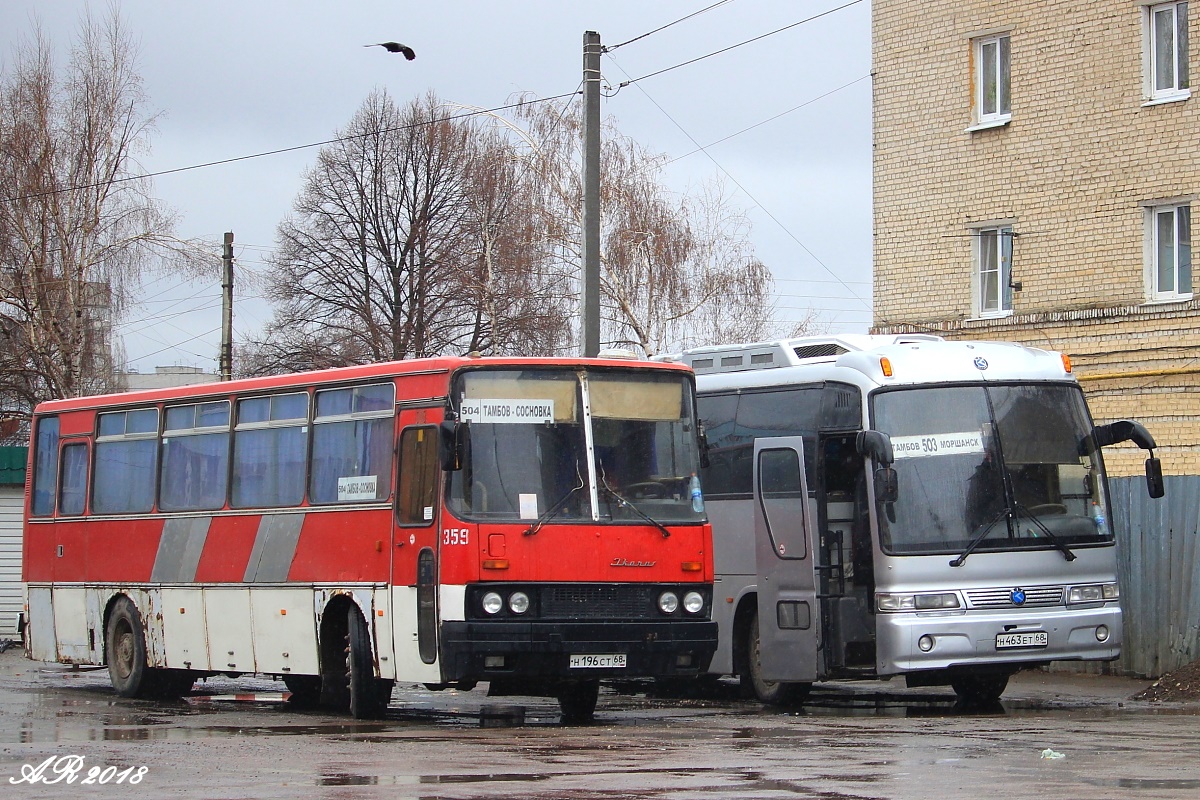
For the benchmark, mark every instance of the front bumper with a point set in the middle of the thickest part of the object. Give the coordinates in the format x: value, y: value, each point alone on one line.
x: 969, y: 639
x: 543, y: 649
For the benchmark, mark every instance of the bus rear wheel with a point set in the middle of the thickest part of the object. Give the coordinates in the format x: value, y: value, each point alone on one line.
x: 305, y: 690
x: 369, y: 695
x: 980, y: 690
x: 125, y: 650
x: 773, y: 693
x: 577, y: 701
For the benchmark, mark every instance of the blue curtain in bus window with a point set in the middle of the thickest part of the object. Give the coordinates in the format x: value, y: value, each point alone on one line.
x: 73, y: 487
x: 195, y: 471
x: 45, y: 467
x: 343, y: 451
x: 124, y: 482
x: 268, y: 467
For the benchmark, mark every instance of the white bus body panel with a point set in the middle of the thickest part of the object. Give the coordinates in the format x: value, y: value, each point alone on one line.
x: 230, y: 634
x: 185, y: 636
x: 409, y: 666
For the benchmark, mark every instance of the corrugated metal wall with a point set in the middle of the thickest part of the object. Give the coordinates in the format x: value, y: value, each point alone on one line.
x: 12, y: 594
x: 1158, y: 564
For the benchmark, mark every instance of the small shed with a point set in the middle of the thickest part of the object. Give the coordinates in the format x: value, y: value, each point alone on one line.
x: 12, y: 501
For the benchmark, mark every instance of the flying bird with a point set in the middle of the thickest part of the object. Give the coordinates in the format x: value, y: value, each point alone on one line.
x: 395, y: 47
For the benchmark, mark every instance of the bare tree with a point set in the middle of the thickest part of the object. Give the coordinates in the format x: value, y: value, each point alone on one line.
x: 405, y: 242
x: 675, y: 271
x: 76, y: 227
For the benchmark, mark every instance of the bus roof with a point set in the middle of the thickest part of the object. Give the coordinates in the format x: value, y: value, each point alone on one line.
x: 383, y: 369
x: 912, y: 358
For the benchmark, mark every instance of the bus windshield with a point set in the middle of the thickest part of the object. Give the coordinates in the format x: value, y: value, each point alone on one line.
x: 528, y: 434
x: 991, y: 468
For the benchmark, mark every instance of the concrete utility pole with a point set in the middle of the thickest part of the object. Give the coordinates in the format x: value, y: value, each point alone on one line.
x: 589, y: 292
x: 226, y: 356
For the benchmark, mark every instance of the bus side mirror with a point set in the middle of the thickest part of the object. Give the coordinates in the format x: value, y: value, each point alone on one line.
x: 876, y: 445
x: 1124, y: 430
x: 451, y: 445
x: 1154, y: 478
x: 887, y: 486
x: 702, y: 438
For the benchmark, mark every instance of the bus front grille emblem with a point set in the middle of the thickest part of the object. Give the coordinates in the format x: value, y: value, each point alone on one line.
x: 1018, y: 597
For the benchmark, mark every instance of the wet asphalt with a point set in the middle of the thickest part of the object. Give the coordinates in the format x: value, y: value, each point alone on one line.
x: 1054, y: 735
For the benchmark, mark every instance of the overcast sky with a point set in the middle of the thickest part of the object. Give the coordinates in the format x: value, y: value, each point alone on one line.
x: 239, y: 78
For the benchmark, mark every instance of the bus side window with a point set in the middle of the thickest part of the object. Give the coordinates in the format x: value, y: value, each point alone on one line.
x: 417, y: 471
x: 45, y: 467
x: 72, y: 490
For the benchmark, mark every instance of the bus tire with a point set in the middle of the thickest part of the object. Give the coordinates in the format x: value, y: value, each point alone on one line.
x: 125, y: 650
x: 367, y: 698
x: 171, y: 684
x: 305, y: 689
x: 773, y: 693
x: 981, y: 689
x: 577, y: 701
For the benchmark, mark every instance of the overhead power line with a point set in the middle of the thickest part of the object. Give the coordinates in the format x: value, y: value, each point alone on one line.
x: 664, y: 27
x: 770, y: 119
x: 739, y: 44
x: 335, y: 140
x: 746, y: 191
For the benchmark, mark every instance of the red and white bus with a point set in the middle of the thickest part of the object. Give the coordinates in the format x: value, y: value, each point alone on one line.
x: 533, y: 523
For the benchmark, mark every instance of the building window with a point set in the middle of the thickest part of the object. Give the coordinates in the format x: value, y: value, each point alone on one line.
x: 1170, y: 235
x: 991, y: 55
x: 1167, y: 51
x: 993, y: 271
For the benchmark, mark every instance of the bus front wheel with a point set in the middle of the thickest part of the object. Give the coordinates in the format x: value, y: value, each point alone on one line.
x: 773, y: 693
x: 125, y: 649
x: 577, y: 701
x: 369, y: 695
x: 979, y: 690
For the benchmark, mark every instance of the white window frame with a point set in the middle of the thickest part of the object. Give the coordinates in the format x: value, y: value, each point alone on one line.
x: 991, y: 277
x: 1177, y: 85
x: 1178, y: 252
x: 994, y: 50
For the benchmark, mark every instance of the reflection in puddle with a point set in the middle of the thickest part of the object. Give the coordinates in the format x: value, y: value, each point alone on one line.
x: 342, y: 779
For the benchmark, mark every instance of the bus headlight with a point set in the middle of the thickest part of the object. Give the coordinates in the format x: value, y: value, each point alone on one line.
x: 518, y: 602
x: 668, y: 602
x: 916, y: 602
x: 1093, y: 593
x: 693, y: 602
x: 492, y: 603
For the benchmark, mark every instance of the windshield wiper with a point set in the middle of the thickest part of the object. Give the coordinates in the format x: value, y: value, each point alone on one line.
x: 623, y: 502
x: 1054, y: 540
x: 979, y: 537
x: 549, y: 513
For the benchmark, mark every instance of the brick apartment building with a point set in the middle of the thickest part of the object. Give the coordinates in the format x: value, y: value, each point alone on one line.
x: 1036, y: 164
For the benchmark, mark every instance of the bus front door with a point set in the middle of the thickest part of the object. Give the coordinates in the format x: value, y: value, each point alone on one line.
x: 789, y: 619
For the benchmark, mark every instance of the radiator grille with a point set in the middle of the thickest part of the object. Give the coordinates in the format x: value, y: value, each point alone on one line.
x: 1002, y: 598
x: 598, y: 602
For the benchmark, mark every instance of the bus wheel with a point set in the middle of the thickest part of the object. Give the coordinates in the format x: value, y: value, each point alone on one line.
x: 125, y: 649
x: 171, y: 684
x: 305, y: 689
x: 974, y: 691
x: 774, y: 693
x: 367, y: 698
x: 578, y: 701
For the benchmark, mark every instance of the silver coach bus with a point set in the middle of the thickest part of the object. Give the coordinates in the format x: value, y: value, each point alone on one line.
x: 905, y: 505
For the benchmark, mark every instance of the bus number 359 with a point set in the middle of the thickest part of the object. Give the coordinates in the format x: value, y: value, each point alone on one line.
x: 456, y: 536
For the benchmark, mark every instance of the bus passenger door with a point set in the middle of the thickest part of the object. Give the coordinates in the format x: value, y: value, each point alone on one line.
x: 788, y: 616
x: 414, y: 554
